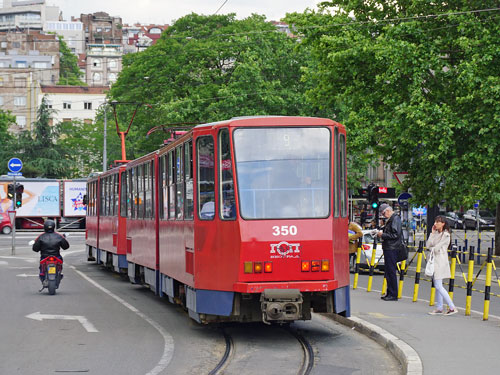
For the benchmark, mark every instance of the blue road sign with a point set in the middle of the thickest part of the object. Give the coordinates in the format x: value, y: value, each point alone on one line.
x: 404, y: 197
x: 14, y: 174
x: 15, y: 165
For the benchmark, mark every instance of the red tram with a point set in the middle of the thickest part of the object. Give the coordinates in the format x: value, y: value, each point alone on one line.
x: 239, y: 220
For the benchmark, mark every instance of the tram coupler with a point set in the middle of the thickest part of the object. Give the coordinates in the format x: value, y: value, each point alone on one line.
x: 281, y: 305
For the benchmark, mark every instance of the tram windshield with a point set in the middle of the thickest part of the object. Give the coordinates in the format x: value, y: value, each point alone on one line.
x: 283, y: 173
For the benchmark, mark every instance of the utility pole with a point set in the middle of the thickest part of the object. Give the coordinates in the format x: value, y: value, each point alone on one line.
x: 104, y: 150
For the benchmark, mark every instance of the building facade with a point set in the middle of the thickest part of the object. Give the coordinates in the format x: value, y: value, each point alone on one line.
x: 27, y: 60
x: 101, y: 28
x: 71, y: 31
x: 27, y: 14
x: 71, y: 103
x: 103, y: 63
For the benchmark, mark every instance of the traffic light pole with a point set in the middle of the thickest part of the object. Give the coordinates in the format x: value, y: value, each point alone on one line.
x: 13, y: 252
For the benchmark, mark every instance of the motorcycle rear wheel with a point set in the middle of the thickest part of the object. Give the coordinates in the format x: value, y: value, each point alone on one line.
x: 52, y: 287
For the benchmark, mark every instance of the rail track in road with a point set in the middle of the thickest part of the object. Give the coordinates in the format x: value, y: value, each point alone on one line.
x: 234, y: 357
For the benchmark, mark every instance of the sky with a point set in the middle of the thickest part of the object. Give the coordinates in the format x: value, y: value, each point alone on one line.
x: 167, y: 11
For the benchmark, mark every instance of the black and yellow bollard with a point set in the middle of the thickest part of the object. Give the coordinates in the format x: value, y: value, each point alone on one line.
x: 372, y: 267
x: 453, y: 267
x: 418, y: 270
x: 356, y: 267
x: 487, y: 287
x: 470, y: 275
x: 402, y: 271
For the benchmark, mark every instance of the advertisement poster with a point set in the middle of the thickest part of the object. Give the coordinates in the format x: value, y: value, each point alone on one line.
x: 40, y: 198
x: 73, y: 198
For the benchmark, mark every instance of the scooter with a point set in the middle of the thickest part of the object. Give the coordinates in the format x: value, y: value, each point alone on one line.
x: 51, y: 273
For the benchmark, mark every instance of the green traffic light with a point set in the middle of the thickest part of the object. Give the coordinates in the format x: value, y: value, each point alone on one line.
x: 374, y: 204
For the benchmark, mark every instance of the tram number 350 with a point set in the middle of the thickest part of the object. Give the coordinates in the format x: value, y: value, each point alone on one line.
x: 285, y: 230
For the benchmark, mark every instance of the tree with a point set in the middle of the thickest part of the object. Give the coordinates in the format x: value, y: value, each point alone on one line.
x: 39, y: 150
x: 6, y: 139
x: 69, y: 73
x: 417, y: 83
x: 210, y: 68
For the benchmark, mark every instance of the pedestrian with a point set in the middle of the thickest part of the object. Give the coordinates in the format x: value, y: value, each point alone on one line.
x: 355, y: 233
x: 391, y: 240
x: 438, y: 243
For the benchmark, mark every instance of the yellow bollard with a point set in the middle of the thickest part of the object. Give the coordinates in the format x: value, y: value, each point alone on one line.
x: 384, y: 286
x: 453, y: 267
x: 401, y: 278
x: 487, y: 287
x: 372, y: 264
x: 417, y: 272
x: 356, y: 268
x: 432, y: 297
x: 470, y: 274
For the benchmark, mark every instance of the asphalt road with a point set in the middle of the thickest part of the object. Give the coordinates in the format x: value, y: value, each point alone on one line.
x: 100, y: 324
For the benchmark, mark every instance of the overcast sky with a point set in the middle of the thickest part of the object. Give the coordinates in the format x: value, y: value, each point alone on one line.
x: 166, y: 11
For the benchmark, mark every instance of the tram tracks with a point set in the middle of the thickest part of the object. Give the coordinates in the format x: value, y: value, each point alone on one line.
x: 242, y: 352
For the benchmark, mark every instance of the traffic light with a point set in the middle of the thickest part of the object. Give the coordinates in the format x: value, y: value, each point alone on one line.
x: 19, y: 195
x: 10, y: 191
x: 373, y: 195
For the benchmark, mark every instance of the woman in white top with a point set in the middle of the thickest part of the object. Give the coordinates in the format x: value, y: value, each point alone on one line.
x: 438, y: 243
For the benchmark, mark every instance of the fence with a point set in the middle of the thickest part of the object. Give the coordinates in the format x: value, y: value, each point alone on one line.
x: 470, y: 277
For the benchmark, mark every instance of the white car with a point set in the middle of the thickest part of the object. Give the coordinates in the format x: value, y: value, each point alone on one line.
x: 366, y: 252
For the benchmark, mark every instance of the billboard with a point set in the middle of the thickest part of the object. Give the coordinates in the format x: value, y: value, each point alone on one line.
x: 40, y: 198
x: 73, y: 198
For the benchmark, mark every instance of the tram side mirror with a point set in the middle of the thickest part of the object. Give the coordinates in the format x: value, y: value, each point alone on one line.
x: 31, y: 243
x: 85, y: 200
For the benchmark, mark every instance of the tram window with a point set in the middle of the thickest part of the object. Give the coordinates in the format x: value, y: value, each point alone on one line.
x: 171, y: 185
x: 103, y: 197
x: 130, y: 194
x: 150, y: 189
x: 336, y: 178
x: 140, y: 192
x: 161, y: 186
x: 228, y: 204
x: 283, y: 173
x: 123, y: 195
x: 342, y: 175
x: 179, y: 184
x: 133, y: 197
x: 147, y: 190
x: 206, y: 177
x: 188, y: 181
x: 116, y: 196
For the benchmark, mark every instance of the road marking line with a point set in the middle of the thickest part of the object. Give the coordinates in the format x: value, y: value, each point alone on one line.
x: 168, y: 349
x: 84, y: 322
x: 26, y: 275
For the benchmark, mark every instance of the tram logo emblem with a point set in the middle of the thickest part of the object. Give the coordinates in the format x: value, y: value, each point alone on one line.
x: 285, y: 250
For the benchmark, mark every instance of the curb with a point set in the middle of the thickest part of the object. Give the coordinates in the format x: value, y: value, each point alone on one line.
x: 404, y: 353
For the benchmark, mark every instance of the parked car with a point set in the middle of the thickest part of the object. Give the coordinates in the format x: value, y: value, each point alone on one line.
x: 5, y: 224
x: 454, y: 219
x: 486, y: 219
x: 366, y: 252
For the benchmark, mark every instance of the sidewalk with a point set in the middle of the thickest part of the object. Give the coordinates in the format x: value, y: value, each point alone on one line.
x: 455, y: 344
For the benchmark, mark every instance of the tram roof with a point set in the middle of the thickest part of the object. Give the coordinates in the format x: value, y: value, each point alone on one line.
x: 280, y: 119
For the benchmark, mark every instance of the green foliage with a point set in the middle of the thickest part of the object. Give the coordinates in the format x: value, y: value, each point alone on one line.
x: 210, y: 68
x: 6, y: 139
x: 69, y: 73
x: 423, y: 93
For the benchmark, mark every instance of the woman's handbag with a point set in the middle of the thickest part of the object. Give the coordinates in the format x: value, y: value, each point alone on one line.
x: 429, y: 268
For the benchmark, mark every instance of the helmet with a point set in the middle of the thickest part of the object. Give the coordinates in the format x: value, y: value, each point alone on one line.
x: 49, y: 226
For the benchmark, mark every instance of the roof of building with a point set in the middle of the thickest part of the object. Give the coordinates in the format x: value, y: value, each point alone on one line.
x: 56, y: 89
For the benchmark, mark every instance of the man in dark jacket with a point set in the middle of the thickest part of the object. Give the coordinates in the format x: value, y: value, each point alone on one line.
x: 49, y: 243
x: 391, y: 241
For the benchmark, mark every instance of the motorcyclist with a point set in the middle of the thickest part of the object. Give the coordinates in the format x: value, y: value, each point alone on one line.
x: 49, y: 243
